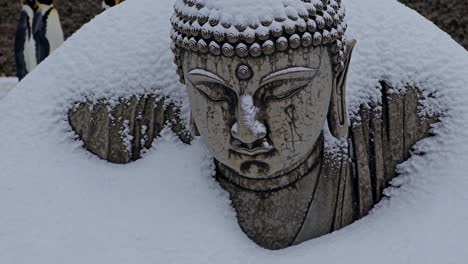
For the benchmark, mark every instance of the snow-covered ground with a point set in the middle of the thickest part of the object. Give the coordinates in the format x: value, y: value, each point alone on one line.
x: 6, y: 85
x: 59, y: 204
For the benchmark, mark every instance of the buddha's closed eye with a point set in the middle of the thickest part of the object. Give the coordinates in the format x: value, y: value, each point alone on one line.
x: 282, y: 89
x: 215, y: 92
x: 276, y: 86
x: 285, y: 83
x: 211, y: 86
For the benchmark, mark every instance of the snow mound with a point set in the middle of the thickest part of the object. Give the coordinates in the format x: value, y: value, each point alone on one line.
x: 60, y: 204
x: 6, y: 85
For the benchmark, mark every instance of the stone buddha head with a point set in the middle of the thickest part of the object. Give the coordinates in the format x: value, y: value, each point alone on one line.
x: 261, y: 89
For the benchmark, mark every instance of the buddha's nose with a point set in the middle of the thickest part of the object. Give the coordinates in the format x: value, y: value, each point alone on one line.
x: 248, y: 129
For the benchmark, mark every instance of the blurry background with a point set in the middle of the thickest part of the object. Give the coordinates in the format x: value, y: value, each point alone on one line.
x: 73, y: 14
x: 450, y: 15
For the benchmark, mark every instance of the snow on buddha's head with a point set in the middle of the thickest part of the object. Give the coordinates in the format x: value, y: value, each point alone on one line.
x: 254, y: 28
x: 261, y: 76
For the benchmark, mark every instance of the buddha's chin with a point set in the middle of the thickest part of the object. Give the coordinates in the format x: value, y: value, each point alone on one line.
x: 262, y: 170
x: 255, y: 169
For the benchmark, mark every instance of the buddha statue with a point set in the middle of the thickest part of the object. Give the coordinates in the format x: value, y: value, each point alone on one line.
x: 260, y: 96
x: 267, y: 96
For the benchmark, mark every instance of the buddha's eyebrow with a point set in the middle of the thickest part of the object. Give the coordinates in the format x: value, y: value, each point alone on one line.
x: 207, y: 74
x: 288, y: 71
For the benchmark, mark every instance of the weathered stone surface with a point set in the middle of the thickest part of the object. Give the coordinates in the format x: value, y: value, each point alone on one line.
x: 120, y: 132
x: 99, y: 130
x: 377, y: 161
x: 350, y: 207
x: 323, y: 210
x: 394, y: 147
x: 383, y: 139
x: 140, y: 135
x: 363, y: 173
x: 262, y: 214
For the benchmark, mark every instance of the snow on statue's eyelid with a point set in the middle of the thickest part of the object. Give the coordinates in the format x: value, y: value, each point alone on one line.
x: 287, y: 81
x: 215, y: 95
x: 285, y: 73
x: 206, y: 74
x: 283, y: 91
x: 211, y: 87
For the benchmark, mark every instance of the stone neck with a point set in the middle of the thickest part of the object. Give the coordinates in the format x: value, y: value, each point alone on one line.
x: 279, y: 182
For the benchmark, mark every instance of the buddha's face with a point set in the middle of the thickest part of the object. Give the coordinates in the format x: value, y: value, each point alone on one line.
x: 260, y: 116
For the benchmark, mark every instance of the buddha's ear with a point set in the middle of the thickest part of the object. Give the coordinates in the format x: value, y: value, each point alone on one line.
x: 193, y: 127
x: 337, y: 114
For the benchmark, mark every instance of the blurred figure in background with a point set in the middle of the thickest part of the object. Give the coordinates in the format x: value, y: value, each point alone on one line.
x: 25, y: 45
x: 47, y: 29
x: 106, y: 4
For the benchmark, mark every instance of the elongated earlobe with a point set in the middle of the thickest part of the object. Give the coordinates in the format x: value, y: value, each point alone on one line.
x: 337, y: 114
x: 193, y: 127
